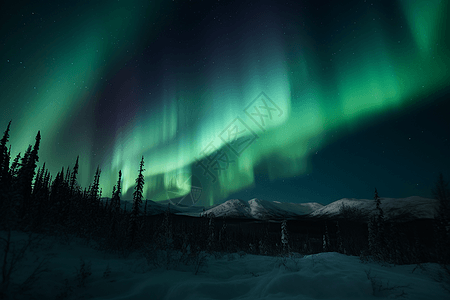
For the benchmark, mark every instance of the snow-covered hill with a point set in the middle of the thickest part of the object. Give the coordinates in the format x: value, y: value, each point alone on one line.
x: 261, y: 209
x: 399, y: 209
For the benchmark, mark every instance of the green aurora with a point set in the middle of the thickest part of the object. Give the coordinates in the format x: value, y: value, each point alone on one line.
x: 264, y: 92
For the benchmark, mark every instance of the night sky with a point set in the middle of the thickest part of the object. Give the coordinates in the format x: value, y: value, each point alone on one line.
x: 296, y: 101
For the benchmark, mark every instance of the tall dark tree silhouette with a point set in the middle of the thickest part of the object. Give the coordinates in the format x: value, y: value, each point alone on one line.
x: 5, y: 178
x: 380, y: 215
x: 4, y: 156
x: 56, y: 199
x: 95, y: 188
x: 376, y: 228
x: 26, y: 175
x: 92, y: 210
x: 73, y: 178
x: 115, y: 200
x: 40, y: 198
x: 39, y: 180
x: 137, y: 202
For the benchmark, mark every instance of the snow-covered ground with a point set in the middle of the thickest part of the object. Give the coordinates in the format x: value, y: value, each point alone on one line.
x: 321, y: 276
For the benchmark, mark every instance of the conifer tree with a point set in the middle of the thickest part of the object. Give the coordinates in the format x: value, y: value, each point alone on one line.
x: 47, y: 179
x: 4, y: 156
x: 5, y: 178
x: 111, y: 203
x: 56, y: 197
x: 73, y: 178
x: 40, y: 198
x: 115, y: 200
x: 137, y: 202
x: 95, y: 188
x: 376, y: 226
x: 92, y: 209
x: 68, y: 176
x: 32, y: 162
x: 22, y: 169
x: 26, y: 175
x: 39, y: 181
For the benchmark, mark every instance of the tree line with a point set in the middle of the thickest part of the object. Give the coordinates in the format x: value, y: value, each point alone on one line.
x: 32, y: 200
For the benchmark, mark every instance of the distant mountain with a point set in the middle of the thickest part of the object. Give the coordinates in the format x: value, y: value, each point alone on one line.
x: 396, y: 209
x: 261, y: 209
x: 153, y: 208
x: 156, y: 208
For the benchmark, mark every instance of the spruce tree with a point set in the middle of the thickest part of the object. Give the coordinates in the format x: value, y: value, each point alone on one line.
x: 93, y: 204
x: 40, y: 196
x: 5, y: 178
x: 73, y: 178
x: 68, y: 177
x: 137, y: 202
x: 95, y: 188
x: 22, y: 169
x: 111, y: 203
x: 26, y: 175
x: 377, y: 228
x: 4, y: 156
x: 55, y: 199
x: 32, y: 162
x: 115, y: 200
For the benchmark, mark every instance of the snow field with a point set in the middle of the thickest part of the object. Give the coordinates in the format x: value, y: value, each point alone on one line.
x: 320, y: 276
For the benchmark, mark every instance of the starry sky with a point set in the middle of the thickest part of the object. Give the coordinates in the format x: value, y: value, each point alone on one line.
x: 296, y: 101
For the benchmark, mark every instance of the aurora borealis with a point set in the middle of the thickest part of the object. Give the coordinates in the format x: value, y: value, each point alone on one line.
x: 300, y: 98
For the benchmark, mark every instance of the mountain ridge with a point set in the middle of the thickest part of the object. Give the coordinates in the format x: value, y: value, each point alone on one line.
x: 396, y: 209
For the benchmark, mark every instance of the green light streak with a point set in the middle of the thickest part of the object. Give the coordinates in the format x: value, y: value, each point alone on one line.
x: 69, y: 80
x: 373, y: 80
x: 193, y: 112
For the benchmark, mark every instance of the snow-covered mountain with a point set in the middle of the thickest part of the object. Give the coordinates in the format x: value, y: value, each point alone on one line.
x: 397, y: 209
x: 261, y: 209
x: 160, y: 207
